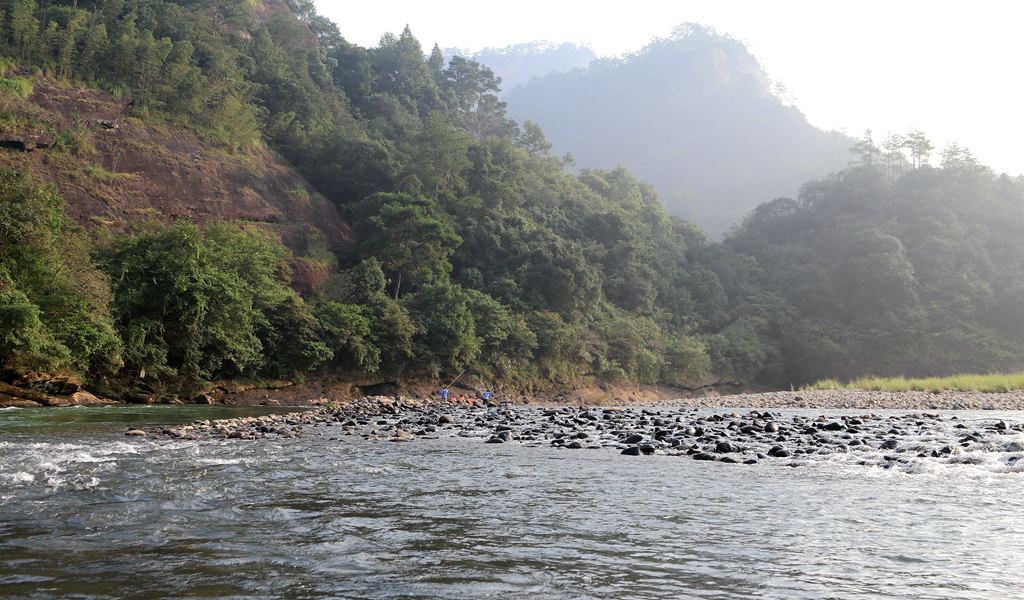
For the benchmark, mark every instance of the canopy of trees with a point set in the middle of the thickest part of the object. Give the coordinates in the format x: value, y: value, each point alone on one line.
x: 475, y: 247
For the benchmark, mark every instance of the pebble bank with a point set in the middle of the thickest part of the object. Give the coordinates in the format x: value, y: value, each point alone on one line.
x: 746, y: 436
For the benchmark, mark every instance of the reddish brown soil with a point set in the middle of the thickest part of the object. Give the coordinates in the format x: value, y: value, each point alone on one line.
x: 166, y: 174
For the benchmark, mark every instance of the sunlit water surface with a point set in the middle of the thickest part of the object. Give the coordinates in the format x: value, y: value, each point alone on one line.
x: 87, y: 513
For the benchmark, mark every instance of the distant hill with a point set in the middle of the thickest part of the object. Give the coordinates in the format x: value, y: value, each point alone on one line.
x: 518, y: 64
x: 695, y: 115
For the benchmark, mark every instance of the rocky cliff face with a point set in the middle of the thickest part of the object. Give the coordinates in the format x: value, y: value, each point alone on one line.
x: 113, y: 169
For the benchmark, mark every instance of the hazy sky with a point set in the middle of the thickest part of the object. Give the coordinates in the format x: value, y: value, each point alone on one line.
x: 943, y: 68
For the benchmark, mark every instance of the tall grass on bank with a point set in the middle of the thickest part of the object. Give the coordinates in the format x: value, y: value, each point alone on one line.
x: 991, y: 383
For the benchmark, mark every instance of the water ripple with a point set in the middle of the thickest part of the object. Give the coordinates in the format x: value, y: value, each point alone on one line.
x: 88, y: 515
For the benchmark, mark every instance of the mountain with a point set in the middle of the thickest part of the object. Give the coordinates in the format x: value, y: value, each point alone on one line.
x: 692, y: 114
x: 519, y: 63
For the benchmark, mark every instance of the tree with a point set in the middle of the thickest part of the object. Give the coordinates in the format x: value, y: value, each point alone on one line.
x: 532, y: 139
x: 53, y: 300
x: 207, y: 303
x: 407, y: 235
x: 24, y: 27
x: 893, y: 145
x: 436, y: 64
x: 447, y: 331
x: 474, y: 104
x: 441, y: 158
x: 399, y: 66
x: 920, y: 148
x: 960, y: 159
x: 865, y: 149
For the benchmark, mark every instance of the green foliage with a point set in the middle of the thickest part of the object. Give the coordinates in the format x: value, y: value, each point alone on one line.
x: 18, y: 87
x: 893, y: 274
x: 53, y: 301
x: 346, y: 330
x: 210, y: 303
x: 101, y: 174
x: 446, y: 328
x: 739, y: 352
x: 407, y: 235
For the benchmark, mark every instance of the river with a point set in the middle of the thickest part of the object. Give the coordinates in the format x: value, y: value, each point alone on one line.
x: 88, y: 513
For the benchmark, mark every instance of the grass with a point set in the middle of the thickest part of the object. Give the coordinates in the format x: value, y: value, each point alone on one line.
x: 101, y: 174
x: 18, y: 87
x: 990, y: 383
x: 74, y: 137
x: 300, y: 192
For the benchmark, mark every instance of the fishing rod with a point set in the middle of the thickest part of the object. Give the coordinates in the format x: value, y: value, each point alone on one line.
x: 456, y: 378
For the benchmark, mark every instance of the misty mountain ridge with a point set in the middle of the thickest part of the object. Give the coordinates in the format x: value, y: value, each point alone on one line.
x: 695, y: 114
x: 517, y: 64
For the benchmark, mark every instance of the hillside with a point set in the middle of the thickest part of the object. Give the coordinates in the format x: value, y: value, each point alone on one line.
x: 426, y: 234
x: 114, y: 170
x: 694, y: 115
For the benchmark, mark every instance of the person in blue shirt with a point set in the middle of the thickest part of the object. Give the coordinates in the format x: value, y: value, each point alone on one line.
x: 444, y: 394
x: 487, y: 396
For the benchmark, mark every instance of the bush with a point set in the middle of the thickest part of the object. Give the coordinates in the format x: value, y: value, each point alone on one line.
x: 19, y: 87
x: 209, y: 303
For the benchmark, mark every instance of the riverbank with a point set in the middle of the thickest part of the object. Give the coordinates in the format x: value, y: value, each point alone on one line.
x: 595, y: 394
x: 863, y: 399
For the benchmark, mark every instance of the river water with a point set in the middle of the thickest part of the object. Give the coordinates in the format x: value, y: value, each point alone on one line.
x: 88, y: 513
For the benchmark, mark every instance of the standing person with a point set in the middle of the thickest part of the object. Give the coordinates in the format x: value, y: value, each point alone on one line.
x: 444, y: 395
x: 487, y: 396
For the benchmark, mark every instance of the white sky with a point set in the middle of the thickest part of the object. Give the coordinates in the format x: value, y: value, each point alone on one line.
x: 949, y: 70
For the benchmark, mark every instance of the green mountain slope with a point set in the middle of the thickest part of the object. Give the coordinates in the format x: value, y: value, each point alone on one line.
x: 446, y: 237
x: 692, y: 114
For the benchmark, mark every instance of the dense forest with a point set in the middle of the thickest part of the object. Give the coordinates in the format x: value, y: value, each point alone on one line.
x: 475, y: 249
x: 694, y: 114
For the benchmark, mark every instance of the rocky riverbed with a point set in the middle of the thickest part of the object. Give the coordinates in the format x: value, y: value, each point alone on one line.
x: 730, y: 436
x: 863, y: 399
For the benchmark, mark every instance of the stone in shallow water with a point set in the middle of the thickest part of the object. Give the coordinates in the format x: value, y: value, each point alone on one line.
x: 632, y: 451
x: 725, y: 447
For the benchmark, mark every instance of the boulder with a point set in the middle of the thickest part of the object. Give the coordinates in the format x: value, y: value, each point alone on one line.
x: 62, y: 386
x: 14, y: 141
x: 139, y: 398
x: 34, y: 396
x: 84, y: 398
x: 8, y: 401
